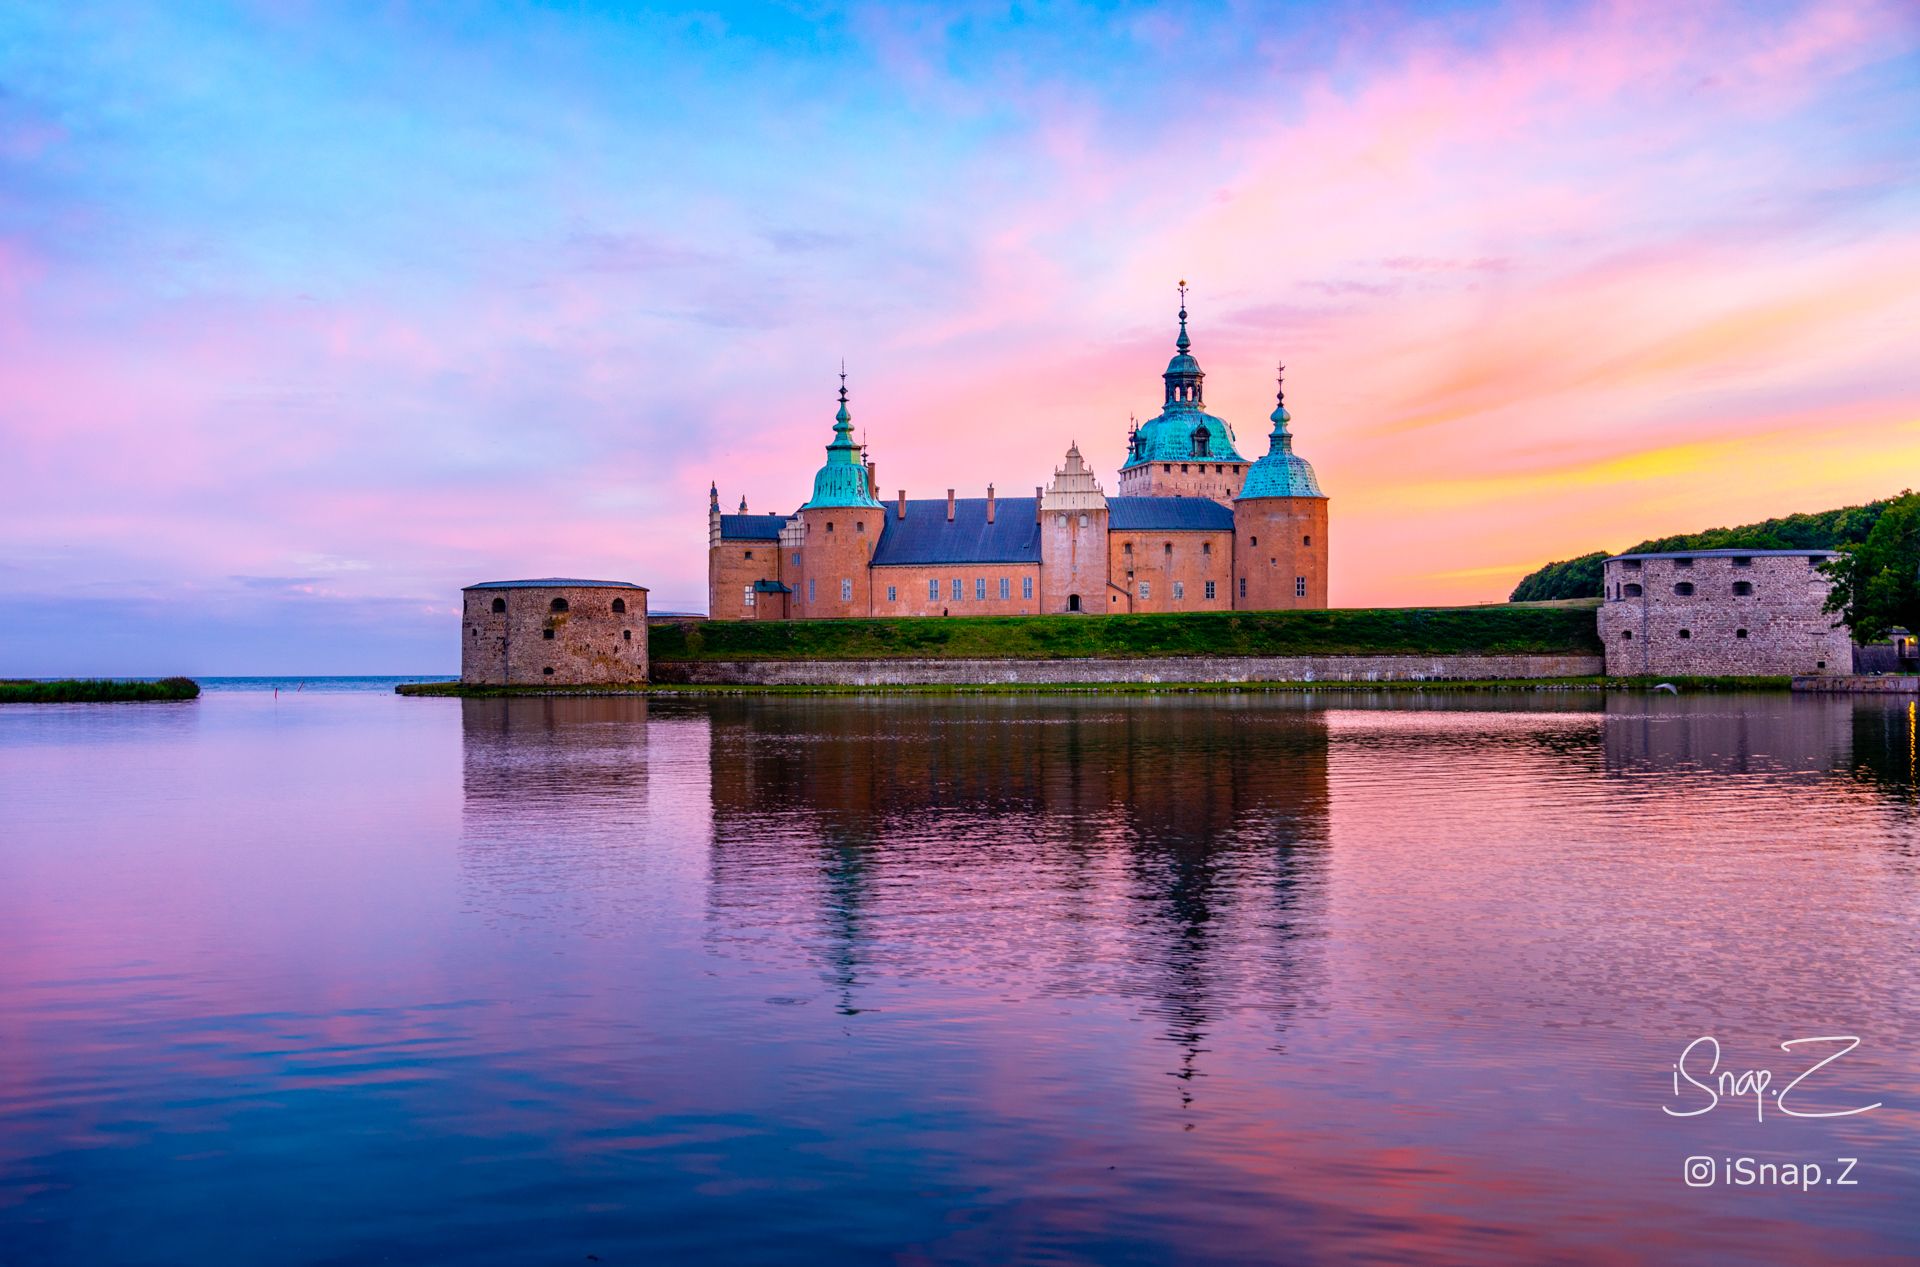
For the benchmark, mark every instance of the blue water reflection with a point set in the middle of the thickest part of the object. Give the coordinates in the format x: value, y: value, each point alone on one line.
x: 336, y: 977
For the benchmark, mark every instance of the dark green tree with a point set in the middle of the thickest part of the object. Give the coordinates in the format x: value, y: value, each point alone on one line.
x: 1876, y: 584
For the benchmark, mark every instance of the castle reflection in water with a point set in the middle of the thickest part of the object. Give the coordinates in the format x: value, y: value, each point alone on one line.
x: 1170, y: 850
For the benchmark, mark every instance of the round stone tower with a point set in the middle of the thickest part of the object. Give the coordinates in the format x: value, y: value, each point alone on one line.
x: 1280, y: 526
x: 839, y: 525
x: 553, y: 632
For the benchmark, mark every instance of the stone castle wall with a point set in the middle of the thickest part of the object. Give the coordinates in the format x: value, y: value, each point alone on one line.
x: 529, y: 643
x: 1073, y: 548
x: 835, y: 577
x: 1165, y: 571
x: 1280, y: 548
x: 1173, y: 669
x: 1717, y: 615
x: 908, y: 590
x: 1219, y: 481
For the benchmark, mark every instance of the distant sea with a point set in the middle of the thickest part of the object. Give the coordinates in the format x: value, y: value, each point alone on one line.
x: 327, y: 684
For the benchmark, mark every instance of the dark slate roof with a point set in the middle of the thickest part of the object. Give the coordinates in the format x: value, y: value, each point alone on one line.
x: 556, y: 582
x: 925, y: 536
x: 1810, y: 553
x: 1168, y: 514
x: 751, y: 527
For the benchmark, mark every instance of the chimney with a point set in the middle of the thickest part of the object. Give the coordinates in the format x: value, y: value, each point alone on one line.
x: 902, y: 512
x: 1038, y: 493
x: 949, y: 505
x: 872, y: 488
x: 989, y: 503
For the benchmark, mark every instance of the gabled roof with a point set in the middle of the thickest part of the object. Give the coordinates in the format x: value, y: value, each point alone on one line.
x: 771, y: 587
x: 1168, y: 514
x: 926, y: 537
x: 751, y: 527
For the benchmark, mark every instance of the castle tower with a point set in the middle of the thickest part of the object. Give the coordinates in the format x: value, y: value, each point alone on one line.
x: 1280, y: 526
x: 839, y: 527
x: 1073, y: 540
x: 1184, y: 451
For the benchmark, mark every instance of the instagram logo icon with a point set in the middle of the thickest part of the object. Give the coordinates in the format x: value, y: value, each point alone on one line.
x: 1699, y: 1172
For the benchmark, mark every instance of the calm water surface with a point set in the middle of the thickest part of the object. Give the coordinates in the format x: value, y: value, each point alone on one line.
x: 330, y: 977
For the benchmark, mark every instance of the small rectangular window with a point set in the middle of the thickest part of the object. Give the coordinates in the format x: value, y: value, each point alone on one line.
x: 810, y: 590
x: 1307, y: 540
x: 749, y: 554
x: 1243, y: 587
x: 1179, y: 589
x: 1206, y: 547
x: 547, y: 634
x: 846, y: 591
x: 1146, y: 589
x: 1026, y: 587
x: 958, y: 589
x: 746, y: 597
x: 980, y: 589
x: 1299, y: 587
x: 1209, y: 589
x: 933, y: 590
x: 893, y: 594
x: 1006, y: 587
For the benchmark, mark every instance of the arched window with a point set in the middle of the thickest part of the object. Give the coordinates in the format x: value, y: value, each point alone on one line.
x: 620, y: 605
x: 1686, y: 633
x: 1739, y: 633
x: 1684, y: 589
x: 499, y: 604
x: 1073, y: 602
x: 559, y: 604
x: 1632, y: 590
x: 1743, y: 587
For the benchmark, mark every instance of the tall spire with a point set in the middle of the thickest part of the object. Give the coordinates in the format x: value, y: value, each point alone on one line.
x: 713, y: 496
x: 1282, y: 472
x: 1280, y: 438
x: 843, y: 480
x: 1183, y: 376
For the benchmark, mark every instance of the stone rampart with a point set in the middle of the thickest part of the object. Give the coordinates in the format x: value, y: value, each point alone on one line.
x: 1172, y: 669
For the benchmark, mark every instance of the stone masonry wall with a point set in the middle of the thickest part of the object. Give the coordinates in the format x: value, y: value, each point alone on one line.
x: 1383, y: 668
x: 1148, y: 565
x: 1280, y: 542
x: 1220, y: 481
x: 912, y: 597
x: 591, y: 643
x: 1774, y: 628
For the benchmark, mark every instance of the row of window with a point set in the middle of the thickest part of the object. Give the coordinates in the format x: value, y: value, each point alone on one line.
x: 1684, y: 589
x: 1218, y: 469
x: 626, y: 635
x: 1626, y: 635
x: 559, y: 605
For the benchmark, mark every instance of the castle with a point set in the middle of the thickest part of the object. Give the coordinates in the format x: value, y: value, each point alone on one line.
x: 1194, y: 527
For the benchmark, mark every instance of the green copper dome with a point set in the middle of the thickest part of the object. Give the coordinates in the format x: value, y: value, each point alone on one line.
x: 1183, y: 431
x: 843, y: 480
x: 1282, y: 473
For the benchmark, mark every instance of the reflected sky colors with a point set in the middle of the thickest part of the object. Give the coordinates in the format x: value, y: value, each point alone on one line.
x: 308, y: 316
x: 338, y: 977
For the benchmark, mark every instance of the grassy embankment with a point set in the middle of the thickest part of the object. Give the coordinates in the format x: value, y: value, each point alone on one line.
x: 95, y: 691
x: 1491, y: 630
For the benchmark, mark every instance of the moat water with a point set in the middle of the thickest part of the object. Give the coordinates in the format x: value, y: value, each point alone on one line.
x: 329, y: 976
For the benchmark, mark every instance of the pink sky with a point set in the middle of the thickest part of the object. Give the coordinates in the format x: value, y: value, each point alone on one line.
x: 304, y: 323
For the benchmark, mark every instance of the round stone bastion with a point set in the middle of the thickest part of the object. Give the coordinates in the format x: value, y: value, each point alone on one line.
x: 553, y: 632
